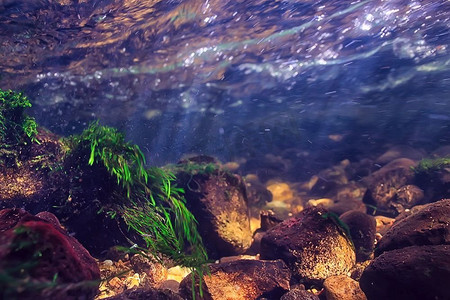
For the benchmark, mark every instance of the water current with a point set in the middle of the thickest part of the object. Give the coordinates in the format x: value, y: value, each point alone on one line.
x: 234, y: 78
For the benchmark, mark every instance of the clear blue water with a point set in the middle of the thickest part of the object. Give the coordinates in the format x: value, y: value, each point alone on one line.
x: 236, y: 79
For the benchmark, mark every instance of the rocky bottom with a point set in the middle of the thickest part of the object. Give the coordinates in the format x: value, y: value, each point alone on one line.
x: 372, y: 229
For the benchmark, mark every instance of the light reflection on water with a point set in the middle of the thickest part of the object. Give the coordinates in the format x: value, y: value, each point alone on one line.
x: 205, y: 76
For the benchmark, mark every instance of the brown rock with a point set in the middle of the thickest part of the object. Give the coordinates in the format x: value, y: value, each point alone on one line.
x: 342, y: 287
x: 269, y: 219
x: 241, y: 280
x: 330, y: 179
x: 408, y: 196
x: 170, y: 284
x: 384, y: 184
x: 362, y: 231
x: 298, y: 294
x: 400, y: 151
x: 146, y: 294
x: 257, y: 193
x: 349, y: 197
x: 417, y: 272
x: 359, y: 269
x: 155, y: 271
x: 218, y: 200
x: 312, y: 244
x: 428, y: 226
x: 383, y: 224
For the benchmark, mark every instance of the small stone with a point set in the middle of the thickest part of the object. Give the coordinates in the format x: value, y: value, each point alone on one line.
x: 281, y: 191
x: 298, y: 294
x: 177, y: 273
x: 108, y: 263
x: 132, y: 281
x: 383, y: 224
x: 322, y: 202
x: 170, y: 284
x: 116, y: 284
x: 409, y: 195
x: 342, y: 287
x: 155, y: 271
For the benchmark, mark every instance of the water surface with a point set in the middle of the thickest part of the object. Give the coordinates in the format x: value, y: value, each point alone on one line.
x: 235, y: 78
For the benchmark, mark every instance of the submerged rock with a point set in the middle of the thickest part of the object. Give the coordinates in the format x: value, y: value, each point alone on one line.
x: 362, y: 230
x: 349, y: 197
x: 342, y: 287
x: 408, y: 196
x: 400, y: 151
x: 312, y: 244
x: 428, y: 226
x: 384, y: 184
x: 258, y: 195
x: 27, y: 177
x: 433, y: 177
x: 298, y: 294
x: 218, y: 200
x: 143, y: 294
x: 416, y: 272
x: 241, y: 280
x: 413, y: 257
x: 153, y: 272
x: 42, y: 261
x: 328, y: 180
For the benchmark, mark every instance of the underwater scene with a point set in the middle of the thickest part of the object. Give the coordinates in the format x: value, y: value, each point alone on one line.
x: 206, y: 149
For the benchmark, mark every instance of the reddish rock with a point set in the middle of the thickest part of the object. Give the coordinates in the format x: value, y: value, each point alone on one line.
x: 241, y: 280
x: 417, y: 272
x: 342, y: 287
x: 428, y: 226
x: 313, y: 245
x: 51, y: 259
x: 298, y: 294
x: 146, y: 294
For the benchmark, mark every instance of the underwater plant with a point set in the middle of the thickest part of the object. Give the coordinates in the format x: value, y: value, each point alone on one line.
x: 15, y: 126
x: 428, y: 165
x: 146, y: 199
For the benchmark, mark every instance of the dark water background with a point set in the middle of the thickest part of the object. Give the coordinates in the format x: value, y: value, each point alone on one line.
x: 317, y: 80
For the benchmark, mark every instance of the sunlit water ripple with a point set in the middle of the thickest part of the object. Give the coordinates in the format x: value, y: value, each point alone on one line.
x: 196, y: 75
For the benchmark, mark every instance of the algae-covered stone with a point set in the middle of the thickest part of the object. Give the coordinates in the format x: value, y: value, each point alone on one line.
x: 313, y: 245
x: 241, y: 280
x: 218, y: 200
